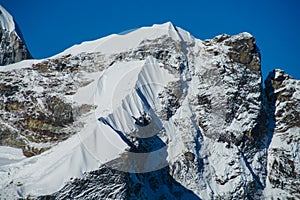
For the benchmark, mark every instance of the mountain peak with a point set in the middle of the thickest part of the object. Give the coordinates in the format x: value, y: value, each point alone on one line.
x: 150, y: 113
x: 6, y: 20
x: 117, y: 43
x: 12, y: 45
x: 167, y: 26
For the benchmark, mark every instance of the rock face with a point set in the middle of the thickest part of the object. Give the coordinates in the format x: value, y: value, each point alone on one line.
x: 283, y: 153
x: 218, y: 133
x: 12, y: 45
x: 35, y: 110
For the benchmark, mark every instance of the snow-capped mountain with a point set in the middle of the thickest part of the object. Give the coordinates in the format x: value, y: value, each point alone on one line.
x: 12, y: 45
x: 151, y: 114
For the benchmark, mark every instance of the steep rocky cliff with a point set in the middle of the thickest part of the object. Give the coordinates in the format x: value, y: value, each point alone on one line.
x: 12, y: 45
x: 152, y: 114
x: 283, y: 95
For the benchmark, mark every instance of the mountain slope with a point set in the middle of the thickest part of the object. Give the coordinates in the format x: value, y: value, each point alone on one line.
x: 12, y: 45
x: 154, y: 113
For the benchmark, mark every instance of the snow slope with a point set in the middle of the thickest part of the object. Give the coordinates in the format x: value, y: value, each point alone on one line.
x: 20, y: 65
x: 120, y: 43
x: 6, y: 20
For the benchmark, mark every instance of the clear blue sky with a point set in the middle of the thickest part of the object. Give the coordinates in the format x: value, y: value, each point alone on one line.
x: 49, y: 27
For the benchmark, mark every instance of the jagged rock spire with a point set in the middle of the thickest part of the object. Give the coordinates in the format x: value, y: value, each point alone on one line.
x: 12, y: 46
